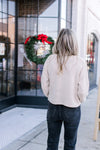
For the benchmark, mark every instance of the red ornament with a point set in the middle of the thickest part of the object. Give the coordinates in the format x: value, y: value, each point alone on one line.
x: 27, y: 40
x: 91, y: 43
x: 43, y: 38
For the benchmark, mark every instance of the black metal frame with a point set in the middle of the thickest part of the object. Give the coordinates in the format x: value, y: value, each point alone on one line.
x: 16, y: 46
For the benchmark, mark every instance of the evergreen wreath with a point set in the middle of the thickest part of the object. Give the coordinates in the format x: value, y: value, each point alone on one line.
x: 38, y: 43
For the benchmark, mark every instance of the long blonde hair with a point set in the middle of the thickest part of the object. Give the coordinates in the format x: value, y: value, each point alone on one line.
x: 66, y: 44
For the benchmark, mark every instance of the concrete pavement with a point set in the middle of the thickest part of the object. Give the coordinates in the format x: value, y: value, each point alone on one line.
x: 36, y: 138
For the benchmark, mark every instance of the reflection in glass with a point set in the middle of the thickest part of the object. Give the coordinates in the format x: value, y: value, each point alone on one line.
x: 63, y: 23
x: 29, y: 75
x: 91, y: 58
x: 4, y: 6
x: 69, y: 13
x: 7, y: 23
x: 23, y: 62
x: 27, y: 82
x: 1, y: 24
x: 11, y: 28
x: 48, y: 26
x: 26, y: 27
x: 11, y: 9
x: 11, y: 58
x: 4, y: 25
x: 0, y: 5
x: 3, y: 83
x: 63, y: 9
x: 48, y: 8
x: 39, y: 73
x: 27, y: 8
x: 10, y: 83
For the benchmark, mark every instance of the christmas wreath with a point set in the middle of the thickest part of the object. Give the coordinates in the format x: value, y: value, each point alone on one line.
x: 38, y: 48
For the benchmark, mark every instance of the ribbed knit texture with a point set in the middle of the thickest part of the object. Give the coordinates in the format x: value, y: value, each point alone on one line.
x: 69, y: 88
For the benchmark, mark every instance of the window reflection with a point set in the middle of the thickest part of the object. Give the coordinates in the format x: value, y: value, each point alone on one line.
x: 39, y: 73
x: 11, y: 9
x: 0, y: 6
x: 29, y: 24
x: 26, y: 27
x: 48, y: 8
x: 63, y: 23
x: 11, y: 28
x: 27, y: 8
x: 3, y: 83
x: 11, y: 58
x: 4, y: 6
x: 48, y: 26
x: 27, y: 82
x: 11, y: 83
x: 7, y: 52
x: 1, y: 24
x: 91, y: 58
x: 69, y: 13
x: 5, y: 24
x: 63, y: 9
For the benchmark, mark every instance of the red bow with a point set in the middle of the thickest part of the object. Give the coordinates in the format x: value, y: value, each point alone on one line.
x: 43, y: 38
x: 27, y: 40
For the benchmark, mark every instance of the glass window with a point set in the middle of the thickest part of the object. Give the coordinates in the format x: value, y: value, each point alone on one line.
x: 23, y: 62
x: 27, y: 82
x: 11, y: 28
x: 1, y: 25
x: 4, y: 6
x: 28, y: 77
x: 10, y: 83
x: 11, y: 9
x: 3, y: 48
x: 91, y: 57
x: 63, y: 23
x: 21, y: 29
x: 31, y: 26
x: 48, y: 26
x: 5, y: 24
x: 3, y: 83
x: 26, y: 27
x: 68, y: 24
x: 48, y: 8
x: 27, y: 8
x: 69, y: 13
x: 0, y: 5
x: 11, y: 58
x: 7, y: 50
x: 39, y: 73
x: 63, y: 9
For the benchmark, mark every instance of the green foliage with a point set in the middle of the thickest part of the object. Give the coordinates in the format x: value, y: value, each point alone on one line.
x: 30, y: 51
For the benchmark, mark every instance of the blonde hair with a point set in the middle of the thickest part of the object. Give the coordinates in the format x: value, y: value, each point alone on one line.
x: 66, y: 44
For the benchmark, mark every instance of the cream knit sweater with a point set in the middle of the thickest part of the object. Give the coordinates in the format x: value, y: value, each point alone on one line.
x: 69, y: 88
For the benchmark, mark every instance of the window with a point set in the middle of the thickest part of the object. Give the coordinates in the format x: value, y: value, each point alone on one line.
x: 7, y: 49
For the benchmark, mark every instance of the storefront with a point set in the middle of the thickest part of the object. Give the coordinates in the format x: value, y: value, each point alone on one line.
x: 92, y: 55
x: 20, y: 78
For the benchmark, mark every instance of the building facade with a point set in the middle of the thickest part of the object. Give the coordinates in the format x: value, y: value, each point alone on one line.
x: 86, y: 22
x: 20, y: 78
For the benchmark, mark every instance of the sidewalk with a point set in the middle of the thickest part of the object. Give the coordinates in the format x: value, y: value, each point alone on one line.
x: 37, y: 137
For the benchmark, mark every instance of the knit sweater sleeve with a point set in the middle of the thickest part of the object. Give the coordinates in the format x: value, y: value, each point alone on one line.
x: 45, y: 78
x: 83, y: 84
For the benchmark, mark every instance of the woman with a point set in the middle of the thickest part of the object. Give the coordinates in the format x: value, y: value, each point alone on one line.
x: 65, y: 82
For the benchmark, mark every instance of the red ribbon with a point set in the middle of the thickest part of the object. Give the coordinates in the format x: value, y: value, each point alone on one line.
x: 27, y: 40
x: 43, y: 38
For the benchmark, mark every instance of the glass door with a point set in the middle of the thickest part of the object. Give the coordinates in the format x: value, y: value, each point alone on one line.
x: 3, y: 72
